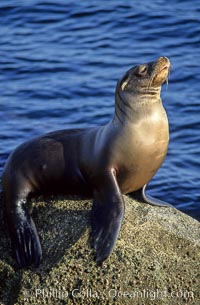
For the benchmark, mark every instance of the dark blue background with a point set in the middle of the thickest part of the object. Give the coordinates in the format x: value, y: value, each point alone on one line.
x: 60, y: 61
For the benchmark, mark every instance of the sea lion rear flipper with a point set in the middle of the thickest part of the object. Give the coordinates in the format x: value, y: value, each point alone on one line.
x: 141, y: 195
x: 107, y: 215
x: 24, y: 238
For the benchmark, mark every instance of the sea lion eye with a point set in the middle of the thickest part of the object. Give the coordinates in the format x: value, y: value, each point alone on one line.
x: 141, y: 71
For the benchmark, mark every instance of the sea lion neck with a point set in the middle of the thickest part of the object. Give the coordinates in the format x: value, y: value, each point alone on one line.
x: 128, y: 110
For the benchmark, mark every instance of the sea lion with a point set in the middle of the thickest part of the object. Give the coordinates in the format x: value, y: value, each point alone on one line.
x: 101, y: 162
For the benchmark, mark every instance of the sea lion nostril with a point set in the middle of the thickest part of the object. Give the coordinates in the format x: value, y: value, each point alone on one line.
x: 162, y: 59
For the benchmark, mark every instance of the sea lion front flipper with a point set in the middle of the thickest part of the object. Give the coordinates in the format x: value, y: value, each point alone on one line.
x: 24, y: 238
x: 107, y: 215
x: 141, y: 195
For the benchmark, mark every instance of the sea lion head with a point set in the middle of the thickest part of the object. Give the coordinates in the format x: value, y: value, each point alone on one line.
x: 144, y: 80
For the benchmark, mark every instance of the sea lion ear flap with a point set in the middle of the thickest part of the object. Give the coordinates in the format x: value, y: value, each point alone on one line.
x: 124, y: 85
x: 124, y: 81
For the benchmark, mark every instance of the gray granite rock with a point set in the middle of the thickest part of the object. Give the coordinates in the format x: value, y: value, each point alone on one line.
x: 155, y: 260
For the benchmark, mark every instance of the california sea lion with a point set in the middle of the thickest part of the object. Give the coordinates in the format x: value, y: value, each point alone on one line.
x: 102, y: 162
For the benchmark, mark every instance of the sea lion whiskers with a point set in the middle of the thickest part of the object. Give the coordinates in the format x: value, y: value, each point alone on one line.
x: 167, y: 79
x: 151, y: 79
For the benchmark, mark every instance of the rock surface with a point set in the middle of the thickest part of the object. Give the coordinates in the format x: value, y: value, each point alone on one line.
x: 155, y: 260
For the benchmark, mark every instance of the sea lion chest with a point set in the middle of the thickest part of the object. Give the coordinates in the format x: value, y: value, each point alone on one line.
x: 142, y: 148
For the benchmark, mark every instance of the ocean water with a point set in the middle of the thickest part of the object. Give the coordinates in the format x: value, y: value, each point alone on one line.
x: 60, y: 61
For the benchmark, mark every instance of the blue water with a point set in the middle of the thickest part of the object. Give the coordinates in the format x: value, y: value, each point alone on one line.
x: 60, y: 61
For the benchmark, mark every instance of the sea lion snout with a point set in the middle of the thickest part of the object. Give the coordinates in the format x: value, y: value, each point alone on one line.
x: 160, y: 71
x: 162, y: 63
